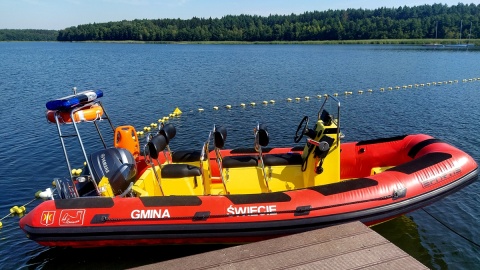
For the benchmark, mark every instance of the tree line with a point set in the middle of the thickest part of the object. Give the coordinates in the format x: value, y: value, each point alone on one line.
x: 28, y: 35
x: 416, y: 22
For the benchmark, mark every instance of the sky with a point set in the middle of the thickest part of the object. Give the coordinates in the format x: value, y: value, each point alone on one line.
x: 60, y: 14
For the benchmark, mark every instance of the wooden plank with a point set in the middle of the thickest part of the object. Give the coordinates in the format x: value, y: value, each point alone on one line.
x: 346, y: 246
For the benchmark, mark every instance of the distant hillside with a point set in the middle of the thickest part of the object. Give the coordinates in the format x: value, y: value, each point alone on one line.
x: 418, y: 22
x: 28, y: 35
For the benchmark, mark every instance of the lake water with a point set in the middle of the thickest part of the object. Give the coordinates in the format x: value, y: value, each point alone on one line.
x: 144, y: 82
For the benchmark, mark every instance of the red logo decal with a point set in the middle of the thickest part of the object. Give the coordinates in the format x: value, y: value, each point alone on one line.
x: 47, y: 218
x: 71, y: 217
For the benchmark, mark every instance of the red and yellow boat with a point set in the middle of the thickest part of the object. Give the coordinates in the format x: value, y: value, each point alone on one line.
x: 133, y: 195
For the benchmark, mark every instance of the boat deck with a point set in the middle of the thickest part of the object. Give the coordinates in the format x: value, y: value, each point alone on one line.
x: 348, y: 246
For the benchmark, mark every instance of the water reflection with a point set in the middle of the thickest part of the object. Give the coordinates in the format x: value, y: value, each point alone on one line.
x: 112, y: 257
x: 408, y: 239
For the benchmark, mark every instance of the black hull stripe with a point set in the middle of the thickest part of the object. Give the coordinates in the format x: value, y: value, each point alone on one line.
x: 346, y: 186
x: 419, y: 146
x: 171, y: 201
x: 85, y: 202
x: 421, y: 163
x: 259, y: 198
x: 381, y: 140
x: 245, y: 229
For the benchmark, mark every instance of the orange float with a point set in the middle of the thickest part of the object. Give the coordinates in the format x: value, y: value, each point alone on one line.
x: 91, y: 113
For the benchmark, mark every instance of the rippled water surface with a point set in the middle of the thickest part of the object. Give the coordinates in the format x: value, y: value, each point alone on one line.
x: 144, y: 82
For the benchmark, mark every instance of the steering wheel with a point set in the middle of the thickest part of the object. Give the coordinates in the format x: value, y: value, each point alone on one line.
x: 303, y: 123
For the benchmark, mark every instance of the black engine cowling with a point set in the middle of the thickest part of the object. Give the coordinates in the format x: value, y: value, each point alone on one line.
x: 117, y: 164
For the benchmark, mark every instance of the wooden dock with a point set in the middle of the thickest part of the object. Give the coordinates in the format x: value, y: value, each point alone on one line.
x: 347, y: 246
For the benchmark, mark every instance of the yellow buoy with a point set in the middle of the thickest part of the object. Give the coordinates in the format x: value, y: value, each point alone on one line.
x: 228, y: 106
x: 370, y: 90
x: 382, y: 89
x: 272, y: 101
x: 145, y: 128
x: 455, y: 81
x: 13, y: 210
x: 390, y: 88
x: 422, y: 84
x: 215, y: 108
x: 289, y: 99
x: 335, y: 94
x: 397, y: 87
x: 265, y: 102
x: 171, y: 115
x: 177, y: 111
x: 242, y: 104
x: 252, y: 103
x: 428, y: 84
x: 297, y: 99
x: 160, y: 120
x: 200, y: 109
x: 307, y: 98
x: 416, y: 85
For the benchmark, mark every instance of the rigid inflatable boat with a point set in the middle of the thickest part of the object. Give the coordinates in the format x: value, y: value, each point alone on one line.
x: 133, y: 194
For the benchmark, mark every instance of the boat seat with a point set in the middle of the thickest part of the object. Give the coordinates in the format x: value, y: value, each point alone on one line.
x: 239, y: 162
x: 280, y: 171
x: 186, y: 156
x: 239, y: 174
x: 282, y: 159
x: 174, y: 179
x: 180, y: 171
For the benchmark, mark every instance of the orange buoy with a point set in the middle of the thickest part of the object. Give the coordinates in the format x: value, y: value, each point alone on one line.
x: 91, y: 113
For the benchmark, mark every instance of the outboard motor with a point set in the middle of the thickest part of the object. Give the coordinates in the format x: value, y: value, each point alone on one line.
x: 117, y: 164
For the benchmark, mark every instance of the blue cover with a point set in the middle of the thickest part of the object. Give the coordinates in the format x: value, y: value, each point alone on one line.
x: 69, y: 102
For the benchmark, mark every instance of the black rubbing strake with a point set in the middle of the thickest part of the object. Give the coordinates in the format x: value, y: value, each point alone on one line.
x: 381, y: 140
x: 82, y: 203
x: 416, y: 148
x: 345, y: 186
x: 259, y: 198
x: 421, y: 163
x: 171, y: 201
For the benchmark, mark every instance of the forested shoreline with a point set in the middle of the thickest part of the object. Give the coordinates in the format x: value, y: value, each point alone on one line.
x: 402, y: 23
x: 28, y: 35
